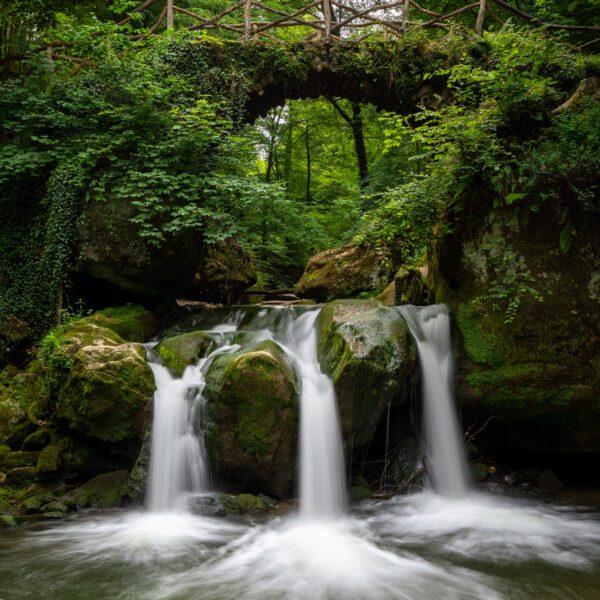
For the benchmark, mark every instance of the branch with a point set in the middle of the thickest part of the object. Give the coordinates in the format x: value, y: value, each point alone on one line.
x: 519, y: 13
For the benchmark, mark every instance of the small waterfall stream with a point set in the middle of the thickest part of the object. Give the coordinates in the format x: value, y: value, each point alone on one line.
x: 179, y: 461
x: 430, y: 326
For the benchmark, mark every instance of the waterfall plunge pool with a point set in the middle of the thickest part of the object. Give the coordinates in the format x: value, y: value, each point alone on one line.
x: 459, y: 544
x: 417, y: 547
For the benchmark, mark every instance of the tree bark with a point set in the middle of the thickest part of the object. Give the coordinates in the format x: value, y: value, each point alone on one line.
x: 356, y: 124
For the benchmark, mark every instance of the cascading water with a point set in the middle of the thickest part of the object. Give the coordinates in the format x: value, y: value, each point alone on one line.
x: 179, y: 463
x: 430, y: 326
x: 322, y: 473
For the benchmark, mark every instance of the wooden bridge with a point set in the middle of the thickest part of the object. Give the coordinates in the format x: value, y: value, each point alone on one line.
x: 332, y: 20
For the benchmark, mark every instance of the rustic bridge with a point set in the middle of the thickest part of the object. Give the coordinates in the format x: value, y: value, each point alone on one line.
x: 332, y: 20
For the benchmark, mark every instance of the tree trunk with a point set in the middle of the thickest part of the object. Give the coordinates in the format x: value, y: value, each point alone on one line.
x: 356, y: 124
x: 308, y: 166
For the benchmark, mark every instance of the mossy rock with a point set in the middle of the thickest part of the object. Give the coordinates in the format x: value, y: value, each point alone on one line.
x: 21, y: 476
x: 180, y: 351
x: 366, y: 349
x: 18, y: 389
x: 136, y: 485
x: 243, y: 504
x: 534, y: 366
x: 359, y: 494
x: 103, y: 491
x: 49, y: 463
x: 17, y: 459
x: 37, y: 440
x: 7, y: 522
x: 347, y: 271
x: 102, y: 383
x: 253, y: 407
x: 132, y: 322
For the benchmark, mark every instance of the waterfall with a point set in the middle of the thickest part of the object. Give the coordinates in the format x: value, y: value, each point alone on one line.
x: 178, y: 459
x: 322, y: 472
x: 430, y: 326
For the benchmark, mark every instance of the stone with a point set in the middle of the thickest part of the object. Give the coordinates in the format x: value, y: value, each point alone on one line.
x: 478, y: 471
x: 179, y: 351
x: 133, y: 323
x: 409, y: 286
x: 243, y: 504
x: 21, y: 476
x: 224, y: 273
x: 18, y: 389
x: 136, y: 485
x: 366, y: 349
x: 549, y: 482
x: 102, y: 384
x: 360, y: 494
x: 347, y: 271
x: 49, y: 462
x: 253, y: 408
x: 103, y: 491
x: 37, y: 440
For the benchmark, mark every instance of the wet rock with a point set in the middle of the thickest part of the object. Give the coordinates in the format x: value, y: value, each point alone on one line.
x: 346, y: 271
x: 132, y: 322
x: 366, y: 349
x: 478, y: 471
x: 103, y: 491
x: 244, y: 504
x: 179, y: 351
x: 136, y: 485
x: 253, y: 408
x: 549, y: 482
x: 359, y: 494
x: 405, y: 462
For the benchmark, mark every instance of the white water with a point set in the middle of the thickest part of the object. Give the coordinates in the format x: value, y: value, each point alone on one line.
x: 322, y: 471
x: 179, y: 462
x: 419, y: 547
x: 446, y: 463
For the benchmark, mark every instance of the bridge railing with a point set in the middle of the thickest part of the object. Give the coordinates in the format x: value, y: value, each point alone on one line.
x: 333, y: 20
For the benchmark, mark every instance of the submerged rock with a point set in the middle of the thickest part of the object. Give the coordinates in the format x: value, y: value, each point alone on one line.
x: 365, y: 347
x: 253, y: 406
x: 346, y: 271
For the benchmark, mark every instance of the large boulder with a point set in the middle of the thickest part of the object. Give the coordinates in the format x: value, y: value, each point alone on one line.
x: 133, y: 323
x: 366, y: 349
x: 345, y: 272
x: 528, y: 317
x: 179, y: 351
x: 101, y: 383
x: 114, y: 263
x: 19, y: 389
x: 253, y: 406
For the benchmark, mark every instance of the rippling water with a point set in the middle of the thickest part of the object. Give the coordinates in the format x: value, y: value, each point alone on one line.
x: 417, y: 547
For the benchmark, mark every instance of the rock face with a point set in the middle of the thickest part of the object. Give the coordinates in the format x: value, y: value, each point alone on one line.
x: 78, y: 411
x: 179, y: 351
x: 528, y: 317
x: 365, y: 348
x: 344, y: 272
x: 253, y: 405
x: 115, y: 263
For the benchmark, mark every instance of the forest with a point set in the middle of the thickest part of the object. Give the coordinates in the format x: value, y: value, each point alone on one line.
x: 300, y: 300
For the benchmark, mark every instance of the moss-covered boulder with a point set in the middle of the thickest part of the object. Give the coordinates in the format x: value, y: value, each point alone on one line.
x: 103, y: 491
x: 179, y: 351
x: 224, y: 273
x: 253, y: 407
x: 347, y: 271
x: 528, y: 319
x: 366, y: 349
x: 101, y: 383
x: 18, y: 390
x: 132, y: 322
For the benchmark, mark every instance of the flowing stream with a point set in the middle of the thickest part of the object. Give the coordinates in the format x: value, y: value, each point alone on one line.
x: 446, y: 462
x: 450, y: 542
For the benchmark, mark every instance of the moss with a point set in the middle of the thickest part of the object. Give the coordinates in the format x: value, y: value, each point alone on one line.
x: 38, y: 439
x: 49, y: 462
x: 14, y: 460
x: 180, y: 351
x: 366, y: 350
x: 103, y: 491
x: 478, y: 341
x: 253, y: 408
x: 133, y: 323
x: 107, y: 386
x: 243, y: 504
x: 359, y: 494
